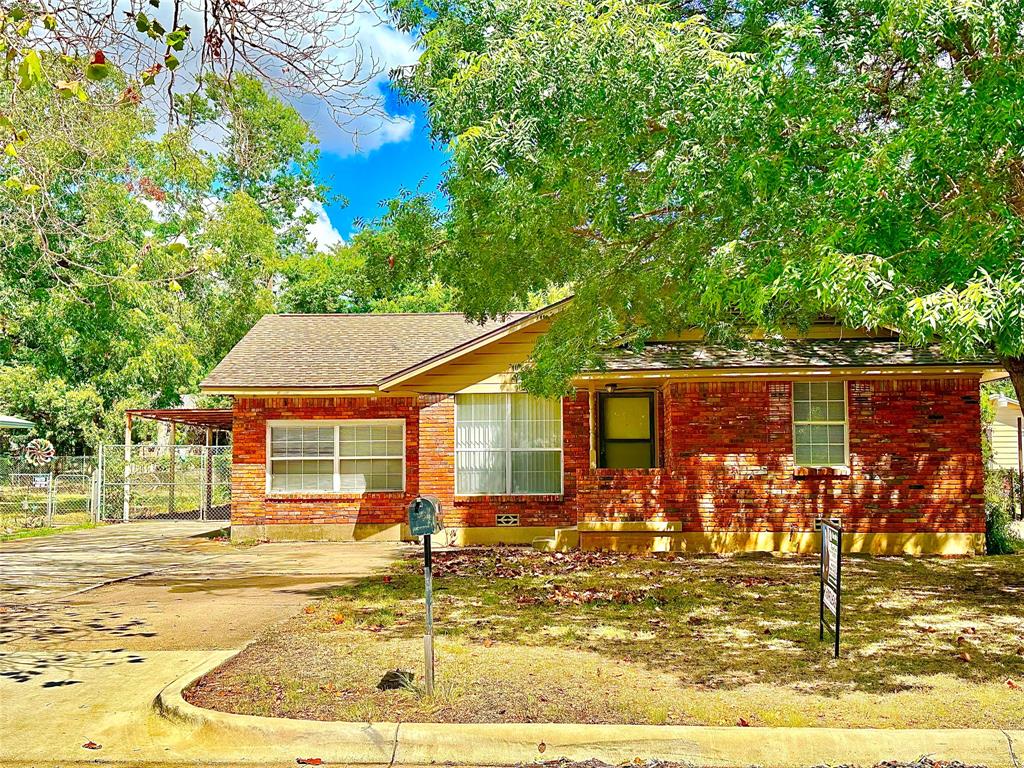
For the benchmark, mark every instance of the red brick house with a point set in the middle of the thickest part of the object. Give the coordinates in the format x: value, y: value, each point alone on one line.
x: 341, y: 420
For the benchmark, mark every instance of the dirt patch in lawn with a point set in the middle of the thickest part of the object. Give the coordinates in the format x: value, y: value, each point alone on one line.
x: 598, y: 638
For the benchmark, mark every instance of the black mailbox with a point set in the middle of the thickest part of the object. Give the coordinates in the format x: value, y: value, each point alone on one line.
x: 425, y: 517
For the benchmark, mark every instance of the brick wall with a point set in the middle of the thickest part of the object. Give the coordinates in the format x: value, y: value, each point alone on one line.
x: 437, y: 439
x: 250, y: 503
x: 726, y: 463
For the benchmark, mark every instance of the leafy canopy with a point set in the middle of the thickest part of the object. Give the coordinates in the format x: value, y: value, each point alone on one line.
x: 725, y: 165
x: 135, y: 262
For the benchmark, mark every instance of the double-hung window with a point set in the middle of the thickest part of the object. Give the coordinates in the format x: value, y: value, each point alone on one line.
x: 820, y: 424
x: 347, y: 457
x: 507, y: 444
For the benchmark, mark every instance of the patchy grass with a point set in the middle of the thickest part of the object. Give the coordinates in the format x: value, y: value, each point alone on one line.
x: 587, y: 637
x: 31, y: 533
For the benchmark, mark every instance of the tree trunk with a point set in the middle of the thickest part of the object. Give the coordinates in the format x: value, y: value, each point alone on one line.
x: 1015, y: 365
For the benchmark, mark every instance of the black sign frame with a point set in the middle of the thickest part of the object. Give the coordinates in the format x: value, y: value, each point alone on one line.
x: 831, y: 581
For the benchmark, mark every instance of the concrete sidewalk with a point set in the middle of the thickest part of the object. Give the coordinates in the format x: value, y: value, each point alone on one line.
x: 169, y: 731
x: 79, y: 666
x: 51, y: 567
x: 108, y: 665
x: 264, y: 740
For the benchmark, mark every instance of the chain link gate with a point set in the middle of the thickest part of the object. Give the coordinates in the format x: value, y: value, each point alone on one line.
x: 164, y: 482
x: 59, y: 493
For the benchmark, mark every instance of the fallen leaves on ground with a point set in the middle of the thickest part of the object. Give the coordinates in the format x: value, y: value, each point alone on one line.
x: 91, y: 745
x: 518, y: 562
x: 562, y: 595
x: 309, y: 761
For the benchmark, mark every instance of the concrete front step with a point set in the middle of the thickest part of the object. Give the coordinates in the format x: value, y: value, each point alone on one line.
x: 563, y: 540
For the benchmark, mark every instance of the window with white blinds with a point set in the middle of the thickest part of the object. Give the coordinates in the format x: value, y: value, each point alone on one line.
x: 507, y: 444
x: 348, y: 457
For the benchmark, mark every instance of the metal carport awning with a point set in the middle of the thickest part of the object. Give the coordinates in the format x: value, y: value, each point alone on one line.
x: 210, y: 418
x: 13, y: 422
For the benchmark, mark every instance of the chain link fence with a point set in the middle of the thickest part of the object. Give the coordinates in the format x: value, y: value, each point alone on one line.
x: 59, y: 493
x: 164, y: 482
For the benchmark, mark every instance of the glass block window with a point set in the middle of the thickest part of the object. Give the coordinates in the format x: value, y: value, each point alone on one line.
x: 820, y: 424
x: 507, y: 444
x: 350, y: 457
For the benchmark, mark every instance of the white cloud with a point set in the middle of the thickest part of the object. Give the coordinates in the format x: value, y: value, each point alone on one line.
x: 388, y: 48
x: 382, y: 46
x: 322, y: 231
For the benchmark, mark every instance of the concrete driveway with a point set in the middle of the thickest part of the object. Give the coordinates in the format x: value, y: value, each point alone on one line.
x: 94, y: 623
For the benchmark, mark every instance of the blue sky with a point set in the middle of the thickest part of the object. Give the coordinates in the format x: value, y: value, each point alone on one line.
x: 374, y: 174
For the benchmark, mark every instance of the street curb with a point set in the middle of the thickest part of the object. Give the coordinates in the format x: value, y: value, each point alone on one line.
x: 247, y: 738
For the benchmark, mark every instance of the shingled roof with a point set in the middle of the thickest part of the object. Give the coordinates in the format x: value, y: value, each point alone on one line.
x: 781, y: 353
x: 339, y: 351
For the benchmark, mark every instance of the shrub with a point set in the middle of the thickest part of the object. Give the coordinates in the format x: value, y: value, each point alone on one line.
x: 999, y: 536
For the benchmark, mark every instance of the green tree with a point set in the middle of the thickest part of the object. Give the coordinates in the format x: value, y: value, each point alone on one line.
x: 349, y: 279
x: 132, y: 263
x: 726, y: 165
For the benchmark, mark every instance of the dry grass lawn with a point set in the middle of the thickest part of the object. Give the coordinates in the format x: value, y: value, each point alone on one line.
x: 598, y: 638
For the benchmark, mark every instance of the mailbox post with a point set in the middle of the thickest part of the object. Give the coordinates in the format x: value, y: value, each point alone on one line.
x: 425, y: 519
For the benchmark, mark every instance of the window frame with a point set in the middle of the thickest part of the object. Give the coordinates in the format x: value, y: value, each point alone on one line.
x: 845, y: 423
x: 508, y: 450
x: 602, y: 439
x: 336, y: 459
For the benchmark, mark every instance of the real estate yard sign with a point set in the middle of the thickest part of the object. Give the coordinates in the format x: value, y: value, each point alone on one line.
x: 830, y: 592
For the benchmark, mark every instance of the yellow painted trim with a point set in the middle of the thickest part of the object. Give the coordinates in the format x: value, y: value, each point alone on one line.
x: 320, y: 532
x: 630, y: 525
x: 487, y: 536
x: 798, y: 542
x: 472, y: 346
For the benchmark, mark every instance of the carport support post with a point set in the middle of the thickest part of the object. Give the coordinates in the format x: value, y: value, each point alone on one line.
x: 208, y: 475
x: 127, y: 466
x: 172, y: 437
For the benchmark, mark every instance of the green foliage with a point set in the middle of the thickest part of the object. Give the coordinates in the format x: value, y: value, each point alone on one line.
x: 1000, y: 538
x: 726, y: 166
x: 324, y: 283
x: 351, y: 279
x: 131, y: 264
x: 138, y: 261
x: 69, y: 417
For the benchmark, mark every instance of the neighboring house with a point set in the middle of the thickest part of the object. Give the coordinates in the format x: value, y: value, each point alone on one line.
x: 1006, y: 432
x: 341, y: 420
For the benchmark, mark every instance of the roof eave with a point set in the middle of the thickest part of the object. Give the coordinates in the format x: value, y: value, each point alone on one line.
x: 395, y: 379
x: 786, y: 371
